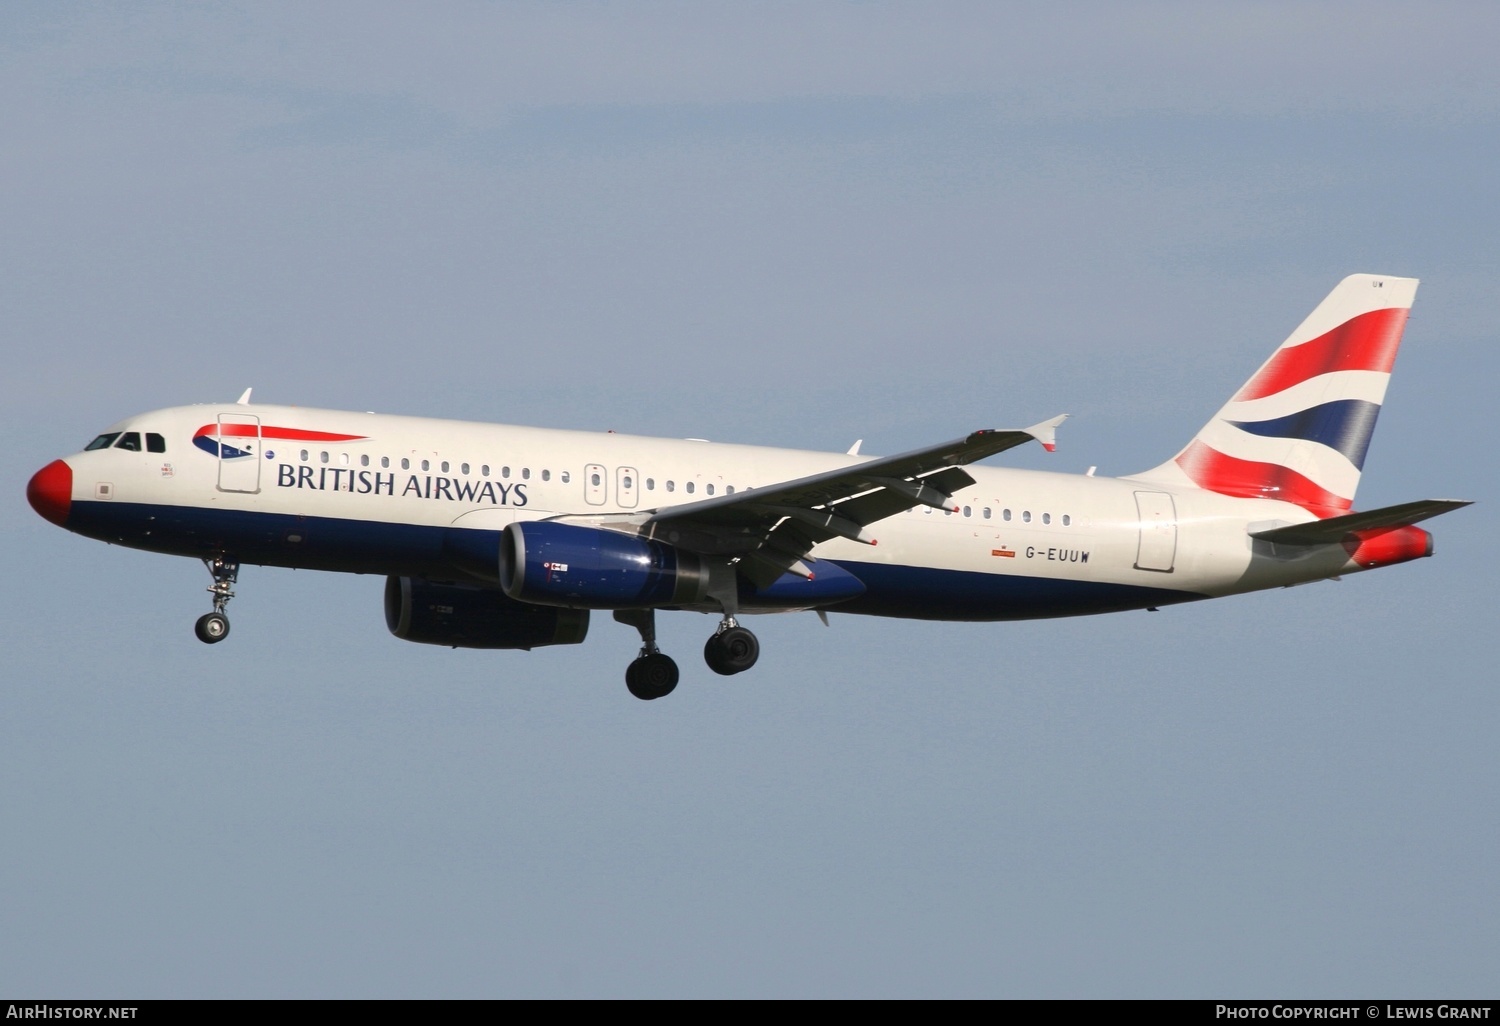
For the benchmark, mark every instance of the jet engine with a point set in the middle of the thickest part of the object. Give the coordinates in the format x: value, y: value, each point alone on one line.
x: 589, y: 568
x: 462, y: 617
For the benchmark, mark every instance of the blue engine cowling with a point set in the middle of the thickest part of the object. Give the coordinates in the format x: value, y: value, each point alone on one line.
x: 446, y: 614
x: 589, y: 568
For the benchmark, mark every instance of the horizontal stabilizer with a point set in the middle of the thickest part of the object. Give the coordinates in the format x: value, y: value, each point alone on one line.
x: 1336, y: 529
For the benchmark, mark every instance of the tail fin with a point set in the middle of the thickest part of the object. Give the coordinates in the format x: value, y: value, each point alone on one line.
x: 1298, y: 429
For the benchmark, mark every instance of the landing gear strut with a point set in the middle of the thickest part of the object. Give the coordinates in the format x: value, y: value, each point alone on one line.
x: 652, y: 674
x: 213, y: 628
x: 732, y: 649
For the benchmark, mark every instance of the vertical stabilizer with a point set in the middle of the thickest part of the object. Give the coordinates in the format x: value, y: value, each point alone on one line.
x: 1299, y: 428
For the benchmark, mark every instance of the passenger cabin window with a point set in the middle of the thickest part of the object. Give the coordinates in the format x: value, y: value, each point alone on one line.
x: 102, y: 442
x: 689, y: 487
x: 155, y: 442
x: 546, y: 475
x: 565, y: 477
x: 709, y: 489
x: 525, y: 473
x: 130, y: 441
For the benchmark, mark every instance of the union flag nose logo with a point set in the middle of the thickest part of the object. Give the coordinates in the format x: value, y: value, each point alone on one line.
x: 50, y: 492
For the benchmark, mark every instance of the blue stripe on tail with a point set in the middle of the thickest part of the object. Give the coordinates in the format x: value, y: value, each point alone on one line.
x: 1345, y: 425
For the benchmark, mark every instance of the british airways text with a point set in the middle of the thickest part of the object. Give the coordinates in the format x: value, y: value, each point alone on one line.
x: 423, y: 486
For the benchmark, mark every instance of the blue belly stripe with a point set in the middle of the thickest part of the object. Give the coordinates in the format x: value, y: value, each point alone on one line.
x: 448, y: 554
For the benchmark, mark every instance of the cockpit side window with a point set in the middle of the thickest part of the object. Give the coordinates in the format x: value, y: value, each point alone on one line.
x: 102, y: 442
x: 155, y: 442
x: 130, y: 440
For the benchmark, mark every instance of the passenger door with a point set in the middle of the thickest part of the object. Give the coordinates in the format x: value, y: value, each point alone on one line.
x: 239, y: 452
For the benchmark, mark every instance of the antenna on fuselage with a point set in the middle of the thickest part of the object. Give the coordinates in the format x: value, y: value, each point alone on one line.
x: 244, y: 400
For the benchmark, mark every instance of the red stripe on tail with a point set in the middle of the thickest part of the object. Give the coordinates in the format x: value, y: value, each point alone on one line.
x: 1246, y: 479
x: 1367, y: 342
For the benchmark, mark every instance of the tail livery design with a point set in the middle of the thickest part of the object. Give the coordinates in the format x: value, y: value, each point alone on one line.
x: 1299, y: 428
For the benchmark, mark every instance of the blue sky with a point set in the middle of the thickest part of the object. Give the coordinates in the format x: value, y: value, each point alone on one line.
x: 785, y: 224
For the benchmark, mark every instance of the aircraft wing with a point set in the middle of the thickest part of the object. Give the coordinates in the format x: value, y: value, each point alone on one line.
x: 772, y: 528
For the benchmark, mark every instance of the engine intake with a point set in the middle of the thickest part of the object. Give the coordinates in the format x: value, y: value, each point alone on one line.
x: 461, y: 617
x: 588, y: 568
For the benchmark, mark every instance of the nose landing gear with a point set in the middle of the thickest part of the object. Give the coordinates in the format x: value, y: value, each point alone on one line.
x: 213, y: 628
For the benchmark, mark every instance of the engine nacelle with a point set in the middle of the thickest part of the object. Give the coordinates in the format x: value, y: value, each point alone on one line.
x: 447, y: 614
x: 588, y: 568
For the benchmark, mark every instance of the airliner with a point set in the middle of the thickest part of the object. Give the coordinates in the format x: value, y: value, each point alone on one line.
x: 501, y: 537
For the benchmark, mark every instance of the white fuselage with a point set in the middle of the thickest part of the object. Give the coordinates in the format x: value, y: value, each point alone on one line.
x: 373, y: 493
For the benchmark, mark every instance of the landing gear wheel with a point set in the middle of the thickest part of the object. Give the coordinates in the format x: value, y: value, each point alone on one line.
x: 651, y: 676
x: 212, y: 628
x: 731, y: 651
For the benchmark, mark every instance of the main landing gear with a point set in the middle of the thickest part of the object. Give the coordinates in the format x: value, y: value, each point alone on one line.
x: 731, y: 650
x: 213, y: 628
x: 652, y: 674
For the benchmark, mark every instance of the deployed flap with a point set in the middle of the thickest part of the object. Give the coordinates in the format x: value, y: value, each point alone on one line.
x: 1336, y: 529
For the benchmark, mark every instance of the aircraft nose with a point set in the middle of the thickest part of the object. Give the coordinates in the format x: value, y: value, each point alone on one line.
x: 50, y: 492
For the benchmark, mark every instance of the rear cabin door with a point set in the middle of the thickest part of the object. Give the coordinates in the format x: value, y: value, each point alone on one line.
x: 239, y: 452
x: 1158, y: 546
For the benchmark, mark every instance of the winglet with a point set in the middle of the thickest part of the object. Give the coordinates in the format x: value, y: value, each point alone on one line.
x: 244, y: 400
x: 1046, y: 432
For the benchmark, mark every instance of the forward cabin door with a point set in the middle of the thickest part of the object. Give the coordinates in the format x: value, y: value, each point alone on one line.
x: 239, y: 452
x: 1158, y: 546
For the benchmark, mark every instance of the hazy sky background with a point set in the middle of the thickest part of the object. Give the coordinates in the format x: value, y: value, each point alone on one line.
x: 791, y: 224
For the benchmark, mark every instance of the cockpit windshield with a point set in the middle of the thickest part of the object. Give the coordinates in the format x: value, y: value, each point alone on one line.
x: 130, y: 441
